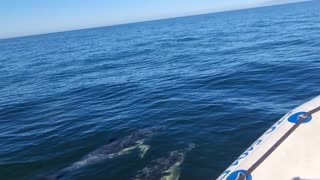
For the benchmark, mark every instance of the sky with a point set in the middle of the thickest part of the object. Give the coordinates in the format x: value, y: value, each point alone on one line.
x: 29, y: 17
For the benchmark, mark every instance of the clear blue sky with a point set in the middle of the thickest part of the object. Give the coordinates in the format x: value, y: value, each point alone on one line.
x: 27, y: 17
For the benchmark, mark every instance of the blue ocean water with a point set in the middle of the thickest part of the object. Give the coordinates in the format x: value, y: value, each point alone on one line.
x: 217, y: 80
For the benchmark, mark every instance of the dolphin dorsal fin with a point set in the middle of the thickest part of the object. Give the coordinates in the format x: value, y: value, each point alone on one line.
x: 112, y: 140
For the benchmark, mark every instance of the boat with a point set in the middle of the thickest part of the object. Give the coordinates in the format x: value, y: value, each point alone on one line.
x: 288, y: 150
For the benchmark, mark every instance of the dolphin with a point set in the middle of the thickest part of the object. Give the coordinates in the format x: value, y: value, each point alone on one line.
x: 115, y: 148
x: 164, y: 168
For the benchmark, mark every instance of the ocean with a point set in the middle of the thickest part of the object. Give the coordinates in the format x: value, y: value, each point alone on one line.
x: 216, y: 80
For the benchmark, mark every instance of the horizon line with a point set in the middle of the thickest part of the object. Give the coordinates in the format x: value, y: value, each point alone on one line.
x: 151, y: 20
